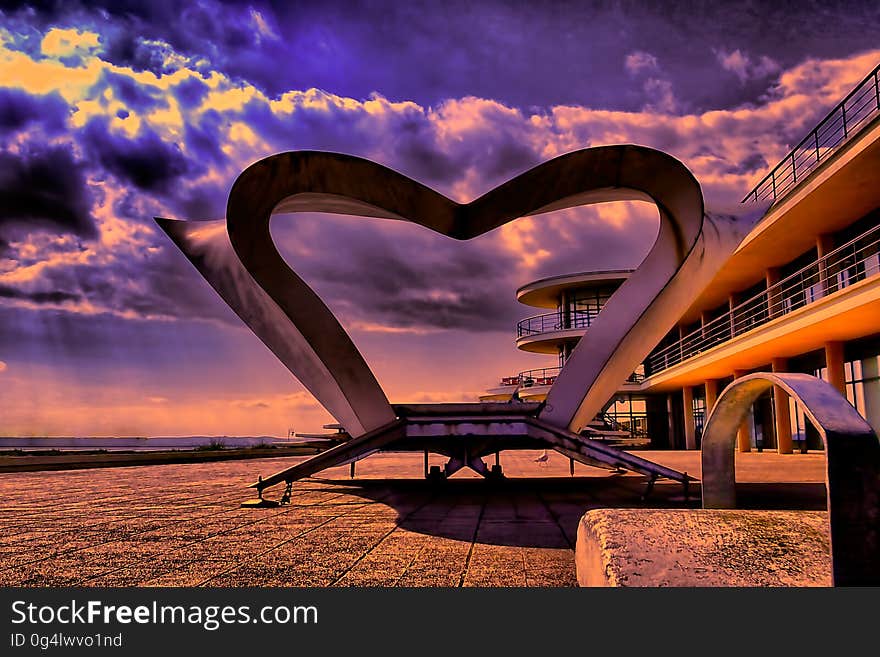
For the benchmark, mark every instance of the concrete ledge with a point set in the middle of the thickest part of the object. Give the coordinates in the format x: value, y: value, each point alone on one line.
x: 703, y: 547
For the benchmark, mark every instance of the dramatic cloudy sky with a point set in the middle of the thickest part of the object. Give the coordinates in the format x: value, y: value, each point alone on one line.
x: 114, y: 112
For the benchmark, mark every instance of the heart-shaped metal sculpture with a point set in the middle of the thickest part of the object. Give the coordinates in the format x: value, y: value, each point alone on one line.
x: 252, y: 277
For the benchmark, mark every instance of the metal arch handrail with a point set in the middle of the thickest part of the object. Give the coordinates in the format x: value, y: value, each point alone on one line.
x: 852, y: 453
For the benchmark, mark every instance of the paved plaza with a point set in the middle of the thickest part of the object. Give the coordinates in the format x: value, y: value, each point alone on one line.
x: 181, y: 525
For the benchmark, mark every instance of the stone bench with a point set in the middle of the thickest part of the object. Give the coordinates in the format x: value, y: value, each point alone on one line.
x: 703, y: 547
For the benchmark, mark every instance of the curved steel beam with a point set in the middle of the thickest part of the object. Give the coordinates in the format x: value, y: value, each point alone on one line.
x: 318, y: 351
x: 852, y: 453
x: 690, y: 249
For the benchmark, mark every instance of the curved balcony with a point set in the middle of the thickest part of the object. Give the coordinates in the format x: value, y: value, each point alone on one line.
x: 534, y: 384
x: 543, y: 334
x: 545, y: 292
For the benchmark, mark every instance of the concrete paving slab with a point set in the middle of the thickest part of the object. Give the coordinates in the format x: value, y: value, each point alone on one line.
x: 181, y: 525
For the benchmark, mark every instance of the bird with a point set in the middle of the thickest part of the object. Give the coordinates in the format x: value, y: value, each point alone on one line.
x: 542, y: 458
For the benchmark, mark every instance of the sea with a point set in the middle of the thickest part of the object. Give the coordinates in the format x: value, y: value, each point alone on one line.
x: 140, y: 443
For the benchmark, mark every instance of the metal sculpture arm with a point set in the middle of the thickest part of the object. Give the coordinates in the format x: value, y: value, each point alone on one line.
x: 296, y: 325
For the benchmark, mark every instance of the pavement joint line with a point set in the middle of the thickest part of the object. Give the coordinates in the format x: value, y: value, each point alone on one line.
x: 136, y: 533
x: 467, y: 561
x: 420, y: 550
x: 284, y: 542
x: 555, y: 520
x: 383, y: 537
x: 92, y: 503
x: 50, y: 532
x: 55, y: 555
x: 191, y: 543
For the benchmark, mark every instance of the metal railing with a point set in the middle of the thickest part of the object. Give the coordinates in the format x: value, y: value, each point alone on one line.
x: 852, y: 114
x: 635, y: 423
x: 848, y: 264
x: 558, y: 321
x: 545, y: 376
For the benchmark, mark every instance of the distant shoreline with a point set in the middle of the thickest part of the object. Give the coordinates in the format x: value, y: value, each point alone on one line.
x: 15, y: 460
x: 143, y: 443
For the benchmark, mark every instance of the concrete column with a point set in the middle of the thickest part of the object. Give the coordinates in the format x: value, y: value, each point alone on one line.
x: 658, y: 422
x: 711, y: 386
x: 744, y: 435
x: 824, y: 246
x: 690, y: 427
x: 670, y: 416
x: 834, y: 363
x: 564, y: 310
x: 781, y: 410
x: 774, y: 299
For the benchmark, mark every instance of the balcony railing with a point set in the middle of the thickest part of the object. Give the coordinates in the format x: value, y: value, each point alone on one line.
x: 852, y: 114
x: 558, y: 321
x: 634, y: 423
x: 853, y: 262
x: 541, y: 377
x: 545, y: 376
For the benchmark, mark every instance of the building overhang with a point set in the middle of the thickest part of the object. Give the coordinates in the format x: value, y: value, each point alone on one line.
x: 845, y: 315
x: 544, y: 293
x: 838, y: 192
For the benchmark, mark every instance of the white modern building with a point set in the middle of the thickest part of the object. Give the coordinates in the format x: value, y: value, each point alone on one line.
x: 801, y: 293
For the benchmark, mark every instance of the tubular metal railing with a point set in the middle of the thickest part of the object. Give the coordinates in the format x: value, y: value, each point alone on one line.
x: 849, y: 117
x: 545, y: 376
x: 635, y: 424
x: 853, y: 262
x: 558, y: 321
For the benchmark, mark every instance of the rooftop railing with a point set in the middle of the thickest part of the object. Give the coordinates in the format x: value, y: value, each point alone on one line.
x: 848, y: 264
x: 850, y: 116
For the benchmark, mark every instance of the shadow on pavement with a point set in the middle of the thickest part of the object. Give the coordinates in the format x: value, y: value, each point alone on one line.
x: 543, y: 512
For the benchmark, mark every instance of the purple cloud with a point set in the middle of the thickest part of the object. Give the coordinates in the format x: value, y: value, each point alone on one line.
x: 146, y: 161
x: 43, y: 187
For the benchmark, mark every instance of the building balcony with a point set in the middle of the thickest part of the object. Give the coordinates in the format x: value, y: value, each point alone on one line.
x: 503, y: 392
x: 547, y: 292
x: 543, y: 334
x: 844, y: 278
x: 535, y: 384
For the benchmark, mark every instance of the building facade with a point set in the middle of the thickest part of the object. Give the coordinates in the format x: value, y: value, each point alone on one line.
x: 800, y: 294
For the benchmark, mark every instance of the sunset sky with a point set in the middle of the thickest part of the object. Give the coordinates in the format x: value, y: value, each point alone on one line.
x: 114, y: 112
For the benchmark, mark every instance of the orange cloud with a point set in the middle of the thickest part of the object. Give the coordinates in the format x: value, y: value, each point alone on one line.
x: 59, y: 42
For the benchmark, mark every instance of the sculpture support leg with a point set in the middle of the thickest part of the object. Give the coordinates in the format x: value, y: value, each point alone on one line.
x: 465, y: 460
